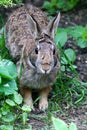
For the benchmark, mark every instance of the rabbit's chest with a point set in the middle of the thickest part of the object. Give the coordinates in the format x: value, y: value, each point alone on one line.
x: 37, y: 81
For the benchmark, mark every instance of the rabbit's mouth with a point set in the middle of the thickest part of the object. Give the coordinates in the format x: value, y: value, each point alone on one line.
x: 43, y: 68
x: 46, y: 68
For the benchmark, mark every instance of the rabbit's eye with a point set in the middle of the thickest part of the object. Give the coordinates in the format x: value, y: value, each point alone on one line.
x: 36, y: 50
x: 53, y: 51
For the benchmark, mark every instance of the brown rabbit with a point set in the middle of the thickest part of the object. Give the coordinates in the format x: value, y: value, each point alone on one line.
x: 29, y: 38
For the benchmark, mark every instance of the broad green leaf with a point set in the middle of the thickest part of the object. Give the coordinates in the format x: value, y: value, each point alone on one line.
x: 10, y: 102
x: 77, y: 32
x: 70, y: 56
x: 4, y: 73
x: 24, y: 117
x: 82, y: 42
x: 47, y: 5
x: 17, y: 98
x: 5, y: 109
x: 70, y: 53
x: 59, y: 124
x: 26, y: 108
x: 60, y: 39
x: 53, y: 2
x: 6, y: 127
x: 8, y: 69
x: 9, y: 88
x: 64, y: 61
x: 63, y: 68
x: 66, y: 5
x: 72, y: 126
x: 9, y: 117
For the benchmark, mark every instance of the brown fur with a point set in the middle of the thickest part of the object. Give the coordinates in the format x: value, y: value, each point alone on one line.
x: 29, y: 38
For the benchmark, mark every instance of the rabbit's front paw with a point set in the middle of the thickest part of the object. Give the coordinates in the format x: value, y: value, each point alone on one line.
x: 43, y: 104
x: 29, y: 103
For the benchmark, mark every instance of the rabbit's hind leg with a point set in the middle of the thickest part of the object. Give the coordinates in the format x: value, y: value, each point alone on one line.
x: 27, y: 96
x: 43, y: 103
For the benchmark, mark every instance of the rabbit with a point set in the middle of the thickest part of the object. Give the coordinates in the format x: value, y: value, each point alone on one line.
x: 29, y: 37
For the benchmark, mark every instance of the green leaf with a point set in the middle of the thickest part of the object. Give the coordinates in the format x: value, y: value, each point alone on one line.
x: 70, y: 54
x: 10, y: 117
x: 47, y: 5
x: 60, y: 39
x: 26, y: 108
x: 4, y: 73
x: 5, y: 109
x: 77, y: 32
x: 24, y: 117
x: 72, y: 126
x: 9, y: 88
x: 6, y: 127
x: 63, y: 68
x: 17, y: 98
x: 10, y: 102
x: 8, y: 69
x: 82, y: 42
x: 59, y: 124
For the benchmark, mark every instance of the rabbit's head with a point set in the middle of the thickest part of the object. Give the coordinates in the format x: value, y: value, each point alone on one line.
x: 44, y: 57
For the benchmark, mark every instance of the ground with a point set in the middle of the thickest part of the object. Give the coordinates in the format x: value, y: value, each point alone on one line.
x: 77, y: 114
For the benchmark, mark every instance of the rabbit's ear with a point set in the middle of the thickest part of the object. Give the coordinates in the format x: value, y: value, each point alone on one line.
x: 53, y: 25
x: 34, y: 27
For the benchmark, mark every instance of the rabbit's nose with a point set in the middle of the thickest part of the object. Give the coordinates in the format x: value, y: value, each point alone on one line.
x: 46, y: 59
x: 43, y: 57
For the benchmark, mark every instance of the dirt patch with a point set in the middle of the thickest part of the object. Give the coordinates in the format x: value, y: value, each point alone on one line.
x: 78, y: 115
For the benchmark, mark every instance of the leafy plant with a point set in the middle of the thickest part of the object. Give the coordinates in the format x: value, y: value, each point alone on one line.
x: 6, y: 3
x: 64, y: 5
x: 61, y: 125
x: 50, y: 6
x: 79, y: 34
x: 10, y: 99
x: 68, y: 85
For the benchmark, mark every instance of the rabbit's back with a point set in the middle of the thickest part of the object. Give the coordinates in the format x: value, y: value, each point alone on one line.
x: 18, y: 32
